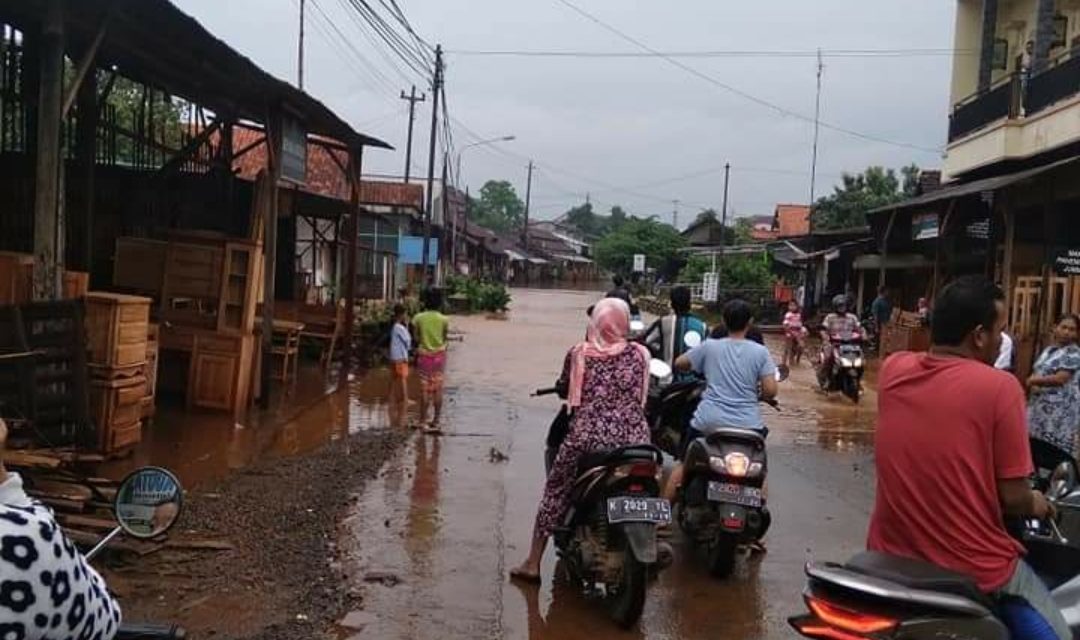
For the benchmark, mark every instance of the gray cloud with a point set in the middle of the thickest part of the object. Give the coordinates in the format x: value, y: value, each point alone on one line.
x: 595, y: 123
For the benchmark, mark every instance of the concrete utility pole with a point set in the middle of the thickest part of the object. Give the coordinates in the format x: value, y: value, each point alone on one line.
x: 817, y: 131
x: 675, y: 214
x: 528, y: 200
x: 413, y: 99
x: 436, y: 88
x: 300, y: 50
x: 723, y: 218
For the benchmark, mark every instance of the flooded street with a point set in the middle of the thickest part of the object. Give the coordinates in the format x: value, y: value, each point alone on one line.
x: 429, y: 542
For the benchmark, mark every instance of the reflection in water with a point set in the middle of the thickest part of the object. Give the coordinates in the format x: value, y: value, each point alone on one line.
x: 202, y: 446
x: 570, y: 615
x: 697, y: 606
x: 423, y: 518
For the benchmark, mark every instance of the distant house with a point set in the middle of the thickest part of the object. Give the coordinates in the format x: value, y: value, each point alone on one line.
x: 706, y: 231
x: 791, y: 220
x: 761, y: 228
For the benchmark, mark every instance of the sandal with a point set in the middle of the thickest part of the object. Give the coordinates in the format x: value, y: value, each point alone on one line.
x: 757, y: 547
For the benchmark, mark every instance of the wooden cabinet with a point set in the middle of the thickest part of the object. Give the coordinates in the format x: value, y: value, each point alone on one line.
x: 213, y: 380
x: 116, y: 329
x: 116, y: 408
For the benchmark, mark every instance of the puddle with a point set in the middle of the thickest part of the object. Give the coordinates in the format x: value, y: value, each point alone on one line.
x: 203, y: 447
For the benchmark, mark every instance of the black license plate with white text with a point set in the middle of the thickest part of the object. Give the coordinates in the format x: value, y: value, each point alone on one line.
x: 630, y: 509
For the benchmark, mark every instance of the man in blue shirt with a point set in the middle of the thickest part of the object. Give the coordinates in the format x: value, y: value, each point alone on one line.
x: 667, y: 336
x: 738, y: 372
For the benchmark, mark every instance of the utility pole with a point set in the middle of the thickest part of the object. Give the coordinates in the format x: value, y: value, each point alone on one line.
x: 817, y: 132
x: 436, y: 88
x: 723, y: 216
x: 300, y: 50
x: 528, y: 200
x: 675, y: 214
x: 413, y: 99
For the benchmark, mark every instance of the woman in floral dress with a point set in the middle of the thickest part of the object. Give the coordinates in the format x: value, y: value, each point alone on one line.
x: 1054, y: 407
x: 609, y: 380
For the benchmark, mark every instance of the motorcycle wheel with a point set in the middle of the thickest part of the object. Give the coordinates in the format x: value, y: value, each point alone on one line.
x: 626, y: 604
x: 851, y: 388
x: 722, y: 555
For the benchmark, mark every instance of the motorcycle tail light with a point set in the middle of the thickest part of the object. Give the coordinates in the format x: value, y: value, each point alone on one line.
x: 643, y: 470
x: 737, y: 464
x: 813, y: 629
x: 847, y: 620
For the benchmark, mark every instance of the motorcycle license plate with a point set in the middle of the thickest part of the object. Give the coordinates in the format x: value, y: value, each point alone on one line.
x: 626, y: 509
x: 734, y: 493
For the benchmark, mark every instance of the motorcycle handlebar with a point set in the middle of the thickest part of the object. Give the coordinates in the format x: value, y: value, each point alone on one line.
x: 771, y: 402
x: 545, y: 392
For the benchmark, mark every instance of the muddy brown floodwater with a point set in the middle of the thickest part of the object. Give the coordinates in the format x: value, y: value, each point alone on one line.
x: 428, y: 544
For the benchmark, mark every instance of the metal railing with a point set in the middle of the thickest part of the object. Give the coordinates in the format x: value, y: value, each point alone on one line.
x: 1060, y: 81
x: 974, y: 113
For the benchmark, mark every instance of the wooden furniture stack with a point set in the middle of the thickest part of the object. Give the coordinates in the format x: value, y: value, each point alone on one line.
x: 906, y: 332
x: 207, y: 286
x: 117, y: 327
x: 17, y: 279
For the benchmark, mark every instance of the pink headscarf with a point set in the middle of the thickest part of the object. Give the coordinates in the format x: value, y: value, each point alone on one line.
x: 609, y: 326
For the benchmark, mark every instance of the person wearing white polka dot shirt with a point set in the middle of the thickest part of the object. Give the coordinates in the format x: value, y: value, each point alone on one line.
x: 47, y: 588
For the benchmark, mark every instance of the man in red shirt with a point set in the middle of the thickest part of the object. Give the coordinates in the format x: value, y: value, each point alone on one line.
x: 952, y: 452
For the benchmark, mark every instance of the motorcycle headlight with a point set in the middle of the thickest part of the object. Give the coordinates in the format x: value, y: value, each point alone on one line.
x: 857, y: 363
x: 847, y: 362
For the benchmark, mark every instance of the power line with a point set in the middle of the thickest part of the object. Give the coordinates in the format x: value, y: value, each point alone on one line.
x: 376, y: 41
x: 347, y: 49
x: 730, y: 53
x: 739, y: 92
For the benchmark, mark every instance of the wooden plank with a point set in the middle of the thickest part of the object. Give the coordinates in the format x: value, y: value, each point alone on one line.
x: 58, y: 503
x: 29, y: 460
x: 60, y: 489
x: 79, y: 521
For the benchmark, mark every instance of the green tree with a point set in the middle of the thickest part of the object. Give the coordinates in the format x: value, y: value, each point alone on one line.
x: 138, y: 109
x: 499, y: 208
x: 736, y: 272
x: 857, y: 194
x: 658, y: 241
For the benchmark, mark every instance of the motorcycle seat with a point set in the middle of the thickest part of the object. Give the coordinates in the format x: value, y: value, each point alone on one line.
x: 622, y: 455
x: 916, y: 574
x: 728, y: 434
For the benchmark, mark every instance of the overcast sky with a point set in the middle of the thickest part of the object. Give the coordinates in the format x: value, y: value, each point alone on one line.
x: 630, y: 130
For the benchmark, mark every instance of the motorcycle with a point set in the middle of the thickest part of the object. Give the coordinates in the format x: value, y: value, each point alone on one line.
x: 847, y: 369
x: 147, y: 504
x: 607, y: 543
x: 876, y: 595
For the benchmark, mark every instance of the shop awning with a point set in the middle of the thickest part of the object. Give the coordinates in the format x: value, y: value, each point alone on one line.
x: 537, y: 260
x: 515, y: 256
x: 873, y: 262
x: 951, y: 192
x: 572, y: 257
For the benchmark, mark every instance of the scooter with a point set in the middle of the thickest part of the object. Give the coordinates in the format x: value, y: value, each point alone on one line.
x: 875, y: 595
x: 607, y: 542
x: 847, y: 369
x: 148, y: 503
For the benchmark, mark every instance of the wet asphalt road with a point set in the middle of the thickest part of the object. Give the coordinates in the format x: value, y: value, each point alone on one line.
x: 430, y: 541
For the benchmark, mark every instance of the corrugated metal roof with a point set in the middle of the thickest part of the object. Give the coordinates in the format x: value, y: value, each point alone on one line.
x: 950, y: 192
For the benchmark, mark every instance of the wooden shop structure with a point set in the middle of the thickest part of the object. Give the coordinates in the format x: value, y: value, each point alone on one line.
x: 119, y: 185
x: 1017, y: 227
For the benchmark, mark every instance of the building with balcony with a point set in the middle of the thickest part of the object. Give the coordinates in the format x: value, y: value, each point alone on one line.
x: 1011, y: 193
x: 1015, y: 86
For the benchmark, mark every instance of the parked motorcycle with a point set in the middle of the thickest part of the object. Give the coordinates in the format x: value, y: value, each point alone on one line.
x: 607, y: 544
x: 846, y: 373
x: 148, y: 503
x: 876, y: 595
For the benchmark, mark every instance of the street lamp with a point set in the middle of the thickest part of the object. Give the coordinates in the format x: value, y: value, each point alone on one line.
x: 480, y: 144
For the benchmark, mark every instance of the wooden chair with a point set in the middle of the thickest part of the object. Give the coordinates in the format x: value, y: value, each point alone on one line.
x: 286, y: 345
x: 325, y: 328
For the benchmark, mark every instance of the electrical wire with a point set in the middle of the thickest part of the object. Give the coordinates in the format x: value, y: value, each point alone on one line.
x: 347, y: 50
x: 378, y: 43
x: 732, y: 53
x: 408, y: 52
x: 739, y: 92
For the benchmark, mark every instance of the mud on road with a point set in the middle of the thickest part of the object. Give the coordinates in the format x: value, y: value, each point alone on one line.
x: 254, y: 554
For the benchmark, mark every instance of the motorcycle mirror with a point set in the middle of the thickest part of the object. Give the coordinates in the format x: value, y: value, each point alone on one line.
x: 148, y: 502
x: 1062, y: 480
x: 659, y: 369
x: 692, y: 339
